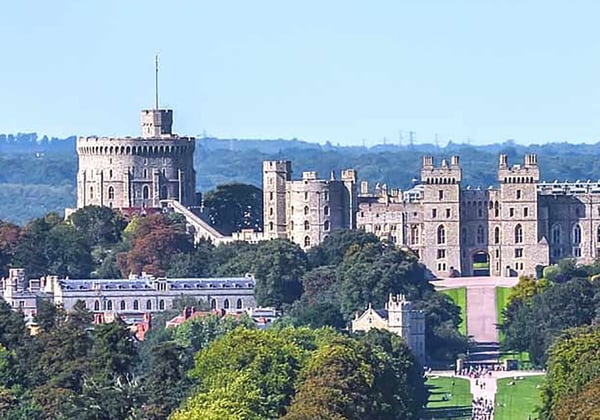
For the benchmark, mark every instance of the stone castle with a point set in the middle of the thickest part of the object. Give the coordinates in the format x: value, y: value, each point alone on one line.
x: 507, y: 230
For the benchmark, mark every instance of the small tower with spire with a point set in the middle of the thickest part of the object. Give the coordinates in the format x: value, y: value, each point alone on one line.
x: 156, y: 122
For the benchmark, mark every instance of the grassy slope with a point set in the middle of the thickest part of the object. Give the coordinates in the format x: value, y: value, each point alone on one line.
x: 501, y: 301
x: 457, y: 406
x: 520, y: 400
x: 459, y: 297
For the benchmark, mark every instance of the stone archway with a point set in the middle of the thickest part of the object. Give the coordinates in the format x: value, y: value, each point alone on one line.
x: 480, y: 264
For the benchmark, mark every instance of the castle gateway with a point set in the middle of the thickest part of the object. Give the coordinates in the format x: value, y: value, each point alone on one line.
x: 507, y: 230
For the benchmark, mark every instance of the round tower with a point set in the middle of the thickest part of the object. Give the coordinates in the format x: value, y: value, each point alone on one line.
x: 137, y: 172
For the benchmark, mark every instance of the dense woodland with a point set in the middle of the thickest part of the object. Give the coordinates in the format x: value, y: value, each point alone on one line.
x: 305, y: 367
x: 39, y: 174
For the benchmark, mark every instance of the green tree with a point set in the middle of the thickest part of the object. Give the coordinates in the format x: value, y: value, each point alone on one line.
x: 31, y: 252
x: 369, y: 273
x: 99, y: 225
x: 533, y: 326
x: 333, y: 249
x: 232, y: 207
x: 165, y: 382
x: 573, y: 362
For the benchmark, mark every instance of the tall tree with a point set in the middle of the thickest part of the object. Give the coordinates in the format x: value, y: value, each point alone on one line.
x: 574, y: 361
x: 99, y: 225
x: 232, y: 207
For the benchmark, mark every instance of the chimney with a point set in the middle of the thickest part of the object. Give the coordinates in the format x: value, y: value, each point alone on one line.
x: 503, y: 162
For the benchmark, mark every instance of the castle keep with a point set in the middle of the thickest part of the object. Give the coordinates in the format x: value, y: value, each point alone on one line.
x: 506, y: 230
x: 137, y: 172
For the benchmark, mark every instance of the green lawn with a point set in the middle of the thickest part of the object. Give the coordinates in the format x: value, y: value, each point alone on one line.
x: 459, y: 297
x: 458, y: 404
x: 520, y: 400
x: 501, y: 301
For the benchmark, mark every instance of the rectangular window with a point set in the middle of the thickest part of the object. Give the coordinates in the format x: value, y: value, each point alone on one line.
x: 441, y: 194
x: 525, y: 212
x: 433, y: 213
x: 518, y: 252
x: 447, y: 213
x: 497, y: 253
x: 441, y: 253
x: 576, y: 251
x: 511, y: 212
x: 518, y: 194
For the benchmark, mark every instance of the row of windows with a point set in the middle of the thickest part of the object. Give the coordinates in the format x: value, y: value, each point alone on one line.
x: 441, y: 234
x: 326, y: 225
x: 164, y: 192
x: 306, y: 210
x: 441, y: 253
x: 108, y: 305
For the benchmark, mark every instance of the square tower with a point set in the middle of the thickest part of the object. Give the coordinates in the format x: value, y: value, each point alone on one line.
x: 521, y: 242
x: 157, y: 122
x: 440, y: 236
x: 276, y: 174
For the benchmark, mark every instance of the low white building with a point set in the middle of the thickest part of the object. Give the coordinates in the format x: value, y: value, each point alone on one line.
x: 144, y: 294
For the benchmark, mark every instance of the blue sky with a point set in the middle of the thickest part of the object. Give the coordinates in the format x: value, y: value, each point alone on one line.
x: 342, y: 71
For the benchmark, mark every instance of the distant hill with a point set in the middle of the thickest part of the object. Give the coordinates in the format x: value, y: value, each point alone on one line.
x: 39, y: 174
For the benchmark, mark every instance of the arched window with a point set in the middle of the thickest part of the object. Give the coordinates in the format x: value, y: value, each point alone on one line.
x: 213, y: 304
x: 123, y: 305
x: 326, y: 210
x: 164, y: 192
x: 306, y: 225
x: 326, y: 225
x: 576, y: 234
x: 110, y: 172
x: 136, y: 305
x: 598, y: 234
x: 91, y: 193
x: 556, y: 234
x: 270, y: 211
x: 496, y: 235
x: 161, y: 305
x: 111, y: 193
x: 305, y: 209
x: 149, y: 305
x: 97, y: 305
x: 226, y: 304
x: 109, y: 305
x: 145, y: 173
x: 518, y: 234
x: 270, y: 225
x: 307, y: 241
x: 239, y: 304
x: 441, y: 235
x: 480, y: 234
x: 145, y: 192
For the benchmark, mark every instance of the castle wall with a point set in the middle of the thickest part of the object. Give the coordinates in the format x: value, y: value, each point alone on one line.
x: 135, y: 172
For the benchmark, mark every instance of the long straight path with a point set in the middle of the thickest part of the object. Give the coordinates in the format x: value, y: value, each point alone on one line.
x: 481, y: 314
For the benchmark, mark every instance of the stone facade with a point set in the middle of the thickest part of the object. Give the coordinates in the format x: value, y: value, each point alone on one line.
x: 506, y: 230
x: 137, y: 172
x: 399, y: 318
x: 306, y: 210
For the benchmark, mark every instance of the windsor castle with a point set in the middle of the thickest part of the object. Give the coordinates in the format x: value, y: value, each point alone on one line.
x: 508, y: 230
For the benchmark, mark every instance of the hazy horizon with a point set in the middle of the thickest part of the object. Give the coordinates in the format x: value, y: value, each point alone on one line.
x: 476, y: 72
